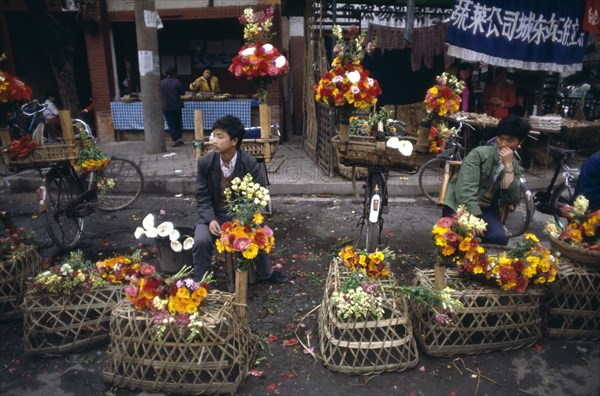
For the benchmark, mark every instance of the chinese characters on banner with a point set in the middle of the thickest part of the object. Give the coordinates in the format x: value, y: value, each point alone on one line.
x: 531, y: 35
x: 591, y: 17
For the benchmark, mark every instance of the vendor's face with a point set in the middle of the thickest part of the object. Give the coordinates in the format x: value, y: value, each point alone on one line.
x: 464, y: 74
x: 206, y: 74
x: 512, y: 142
x: 222, y: 142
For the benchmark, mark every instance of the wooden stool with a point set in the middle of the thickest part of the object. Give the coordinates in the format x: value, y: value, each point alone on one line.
x: 230, y: 271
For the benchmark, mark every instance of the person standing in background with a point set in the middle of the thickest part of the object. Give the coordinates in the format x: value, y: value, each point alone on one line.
x: 51, y: 112
x: 500, y: 96
x: 172, y: 89
x: 588, y: 183
x: 206, y: 83
x: 468, y: 98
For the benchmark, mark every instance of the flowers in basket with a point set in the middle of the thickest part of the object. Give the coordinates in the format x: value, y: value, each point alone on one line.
x: 173, y: 300
x: 347, y: 85
x: 358, y: 297
x: 119, y: 269
x: 11, y: 88
x: 257, y: 60
x: 22, y: 147
x: 165, y: 229
x: 529, y: 261
x: 583, y: 227
x: 373, y: 265
x: 73, y: 274
x: 91, y: 158
x: 11, y: 242
x: 441, y: 100
x: 245, y: 234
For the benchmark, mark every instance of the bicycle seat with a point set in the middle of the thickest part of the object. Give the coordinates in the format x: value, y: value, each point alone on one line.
x: 556, y: 151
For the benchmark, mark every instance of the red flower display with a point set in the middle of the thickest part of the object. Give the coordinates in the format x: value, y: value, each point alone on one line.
x: 12, y: 89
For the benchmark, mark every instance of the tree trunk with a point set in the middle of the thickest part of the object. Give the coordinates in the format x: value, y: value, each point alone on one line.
x: 58, y: 45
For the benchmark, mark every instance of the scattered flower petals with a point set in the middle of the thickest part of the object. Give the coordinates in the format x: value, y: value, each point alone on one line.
x: 290, y: 342
x: 256, y: 373
x: 422, y: 369
x: 271, y: 339
x: 309, y: 351
x: 538, y: 347
x: 286, y: 376
x: 271, y: 387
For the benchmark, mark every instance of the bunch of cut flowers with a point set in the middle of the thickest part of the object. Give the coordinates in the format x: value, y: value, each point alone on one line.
x: 90, y: 157
x: 175, y: 300
x: 166, y: 229
x: 347, y: 85
x: 583, y: 227
x: 12, y: 89
x: 456, y: 239
x: 75, y: 273
x: 357, y: 297
x: 529, y: 261
x: 119, y: 269
x: 444, y: 97
x: 245, y: 234
x: 439, y: 134
x: 12, y: 242
x: 258, y: 60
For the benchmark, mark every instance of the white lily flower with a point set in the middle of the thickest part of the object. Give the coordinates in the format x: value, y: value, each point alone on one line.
x: 353, y: 76
x: 267, y: 47
x: 139, y: 232
x: 152, y: 233
x: 174, y: 235
x: 176, y: 246
x: 405, y: 148
x: 248, y: 51
x: 188, y: 243
x: 280, y: 61
x: 148, y: 222
x: 393, y: 143
x: 165, y: 228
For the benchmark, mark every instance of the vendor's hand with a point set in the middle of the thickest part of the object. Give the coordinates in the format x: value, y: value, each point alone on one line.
x: 506, y: 155
x: 214, y: 228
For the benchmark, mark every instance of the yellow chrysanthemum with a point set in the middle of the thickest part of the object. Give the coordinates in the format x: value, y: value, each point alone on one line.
x: 448, y: 250
x: 465, y: 244
x: 532, y: 237
x: 251, y: 252
x: 258, y: 218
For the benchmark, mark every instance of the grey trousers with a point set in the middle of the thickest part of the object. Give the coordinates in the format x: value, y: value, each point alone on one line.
x: 204, y: 247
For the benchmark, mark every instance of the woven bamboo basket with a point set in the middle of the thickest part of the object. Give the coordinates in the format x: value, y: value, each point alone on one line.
x: 365, y: 346
x: 14, y: 273
x: 579, y: 255
x: 490, y: 320
x: 254, y: 147
x: 56, y: 324
x: 216, y: 361
x: 571, y: 308
x: 43, y: 156
x: 365, y: 151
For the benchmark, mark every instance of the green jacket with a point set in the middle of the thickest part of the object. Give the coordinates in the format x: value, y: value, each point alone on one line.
x: 473, y: 179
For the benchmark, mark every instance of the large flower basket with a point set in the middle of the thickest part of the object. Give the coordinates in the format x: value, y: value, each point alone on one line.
x: 55, y: 324
x: 15, y: 270
x: 215, y: 361
x: 571, y: 308
x: 352, y: 346
x: 491, y: 319
x: 579, y: 255
x: 366, y: 151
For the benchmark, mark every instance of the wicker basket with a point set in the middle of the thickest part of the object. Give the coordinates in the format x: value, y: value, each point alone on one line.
x: 216, y: 361
x: 57, y: 324
x: 14, y: 273
x: 579, y: 255
x: 365, y: 151
x: 370, y: 346
x: 43, y: 156
x: 491, y: 319
x: 254, y: 147
x: 572, y: 304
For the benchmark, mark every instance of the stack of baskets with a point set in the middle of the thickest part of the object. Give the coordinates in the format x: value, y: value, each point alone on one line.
x: 491, y: 319
x: 352, y: 346
x: 215, y: 361
x: 15, y: 270
x: 55, y: 324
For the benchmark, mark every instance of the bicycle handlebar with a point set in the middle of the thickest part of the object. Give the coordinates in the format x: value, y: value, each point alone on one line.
x: 34, y: 108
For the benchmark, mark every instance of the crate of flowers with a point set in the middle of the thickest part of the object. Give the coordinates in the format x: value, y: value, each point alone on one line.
x: 364, y: 327
x: 501, y: 309
x: 580, y: 239
x: 19, y: 262
x: 69, y: 306
x: 173, y: 335
x: 571, y: 306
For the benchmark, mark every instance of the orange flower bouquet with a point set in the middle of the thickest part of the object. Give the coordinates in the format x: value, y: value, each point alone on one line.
x: 583, y: 229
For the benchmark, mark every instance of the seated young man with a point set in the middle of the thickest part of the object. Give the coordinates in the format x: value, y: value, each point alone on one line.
x: 215, y: 172
x: 489, y: 178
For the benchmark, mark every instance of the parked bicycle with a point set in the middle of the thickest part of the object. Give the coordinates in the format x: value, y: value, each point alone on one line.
x: 66, y: 197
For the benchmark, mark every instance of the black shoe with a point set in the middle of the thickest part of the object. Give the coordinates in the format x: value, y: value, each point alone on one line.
x: 178, y: 143
x: 276, y: 277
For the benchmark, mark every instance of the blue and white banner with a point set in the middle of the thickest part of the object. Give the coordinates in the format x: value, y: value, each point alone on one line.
x: 531, y: 35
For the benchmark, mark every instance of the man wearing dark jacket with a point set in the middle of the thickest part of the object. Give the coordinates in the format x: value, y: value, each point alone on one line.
x: 216, y: 170
x: 172, y: 89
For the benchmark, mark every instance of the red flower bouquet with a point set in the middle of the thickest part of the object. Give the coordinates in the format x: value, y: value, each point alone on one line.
x: 12, y: 89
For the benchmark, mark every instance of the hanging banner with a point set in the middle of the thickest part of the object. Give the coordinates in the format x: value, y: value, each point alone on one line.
x: 591, y: 17
x: 531, y: 35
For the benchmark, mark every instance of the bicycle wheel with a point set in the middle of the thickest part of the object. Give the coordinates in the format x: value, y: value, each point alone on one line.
x: 119, y: 185
x: 430, y: 178
x: 562, y: 195
x: 518, y: 221
x: 373, y: 229
x: 62, y: 225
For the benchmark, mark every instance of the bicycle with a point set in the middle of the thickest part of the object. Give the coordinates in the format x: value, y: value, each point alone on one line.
x: 435, y: 175
x: 66, y: 197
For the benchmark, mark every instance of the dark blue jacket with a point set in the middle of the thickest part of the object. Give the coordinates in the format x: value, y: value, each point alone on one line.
x: 171, y: 90
x: 588, y: 183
